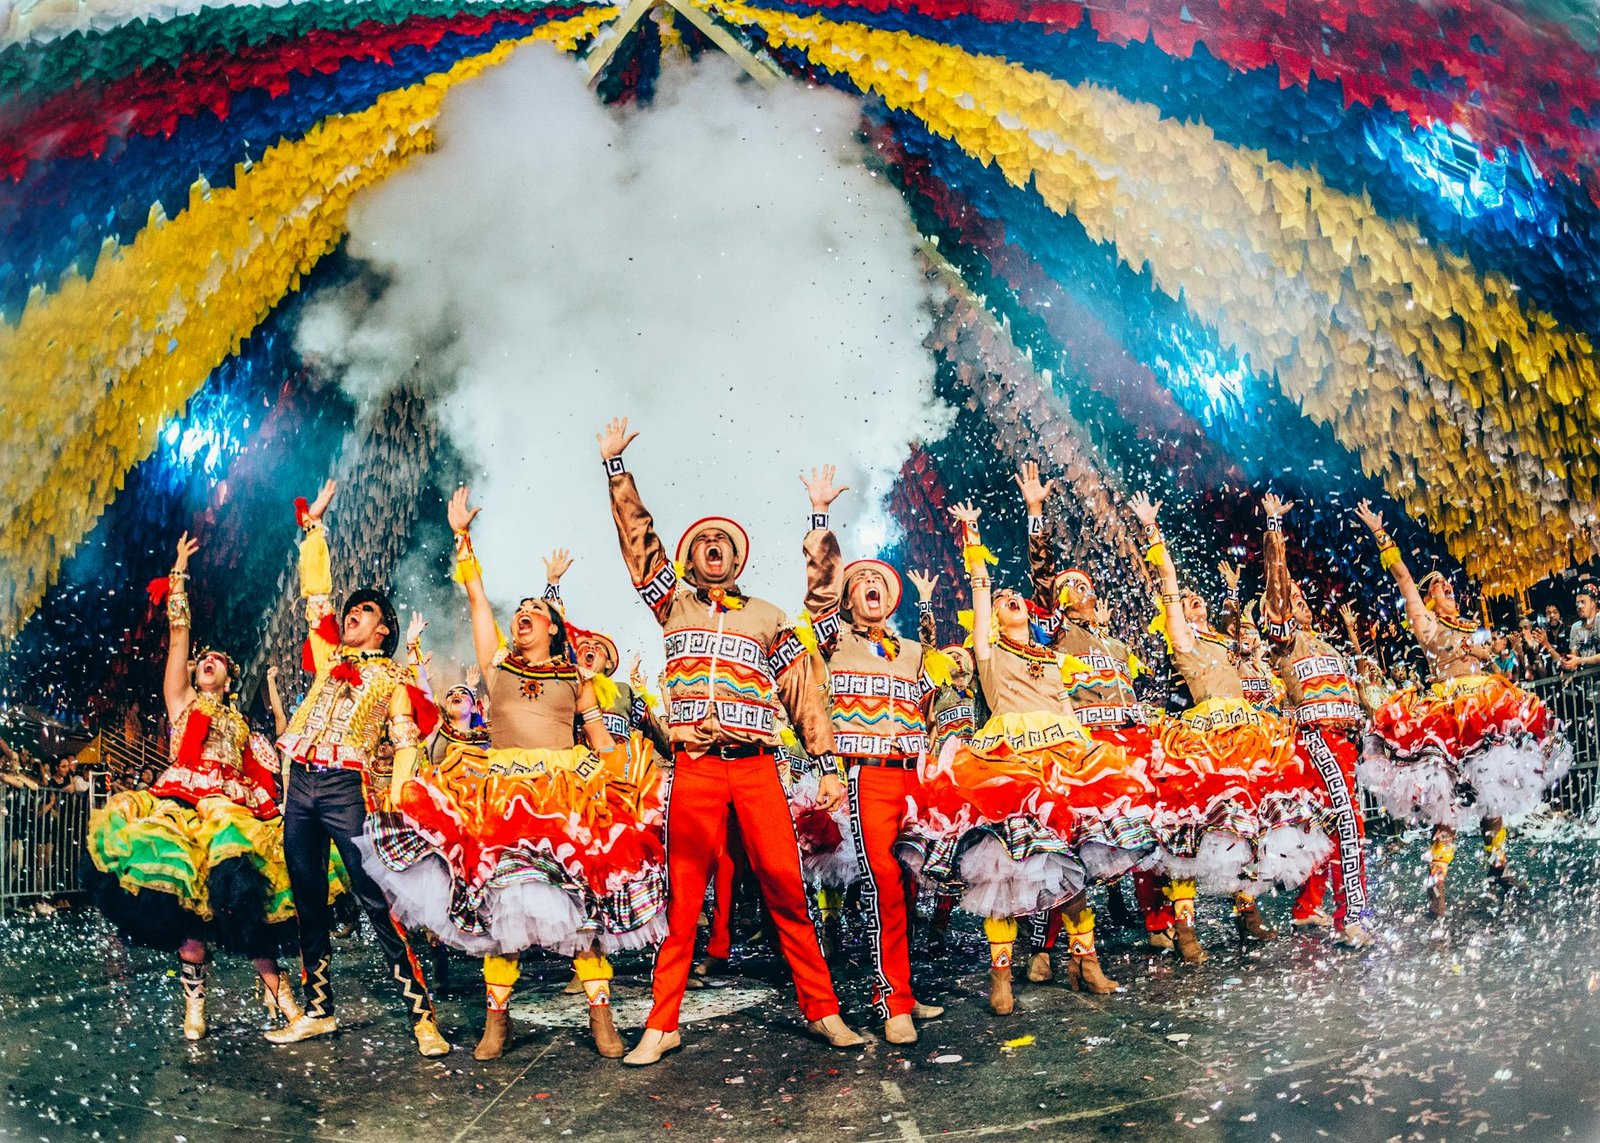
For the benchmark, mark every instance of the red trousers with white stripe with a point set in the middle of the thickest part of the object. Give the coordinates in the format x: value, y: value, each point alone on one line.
x: 705, y: 791
x: 878, y: 800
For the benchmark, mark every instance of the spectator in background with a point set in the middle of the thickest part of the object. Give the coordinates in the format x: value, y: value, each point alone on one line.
x: 147, y: 778
x: 1505, y: 660
x: 1583, y: 644
x: 1533, y: 661
x: 1553, y: 628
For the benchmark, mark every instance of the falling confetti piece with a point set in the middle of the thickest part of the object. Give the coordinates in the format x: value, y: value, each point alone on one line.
x: 947, y: 1058
x: 1019, y: 1042
x: 1178, y: 1037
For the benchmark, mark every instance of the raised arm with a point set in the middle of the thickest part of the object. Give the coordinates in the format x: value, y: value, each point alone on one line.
x: 1156, y: 553
x: 557, y: 564
x: 1041, y: 547
x: 966, y: 518
x: 316, y: 580
x: 1347, y: 616
x: 1232, y: 608
x: 405, y: 735
x: 927, y: 626
x: 824, y: 564
x: 648, y: 566
x: 1278, y: 607
x: 280, y: 719
x: 176, y: 687
x: 469, y: 573
x: 1422, y: 624
x: 414, y: 656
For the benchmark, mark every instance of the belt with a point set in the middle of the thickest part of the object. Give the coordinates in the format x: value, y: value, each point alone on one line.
x: 732, y: 751
x: 908, y: 763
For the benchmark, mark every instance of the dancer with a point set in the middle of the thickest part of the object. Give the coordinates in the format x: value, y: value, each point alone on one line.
x: 1469, y: 750
x: 1032, y: 779
x: 1327, y: 716
x: 1262, y: 686
x: 732, y: 662
x: 358, y: 698
x: 881, y: 685
x: 1100, y: 671
x: 952, y: 718
x: 198, y: 858
x: 538, y: 840
x: 628, y: 711
x: 1237, y: 809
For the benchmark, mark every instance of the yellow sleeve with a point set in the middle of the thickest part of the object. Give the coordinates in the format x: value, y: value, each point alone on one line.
x: 316, y: 588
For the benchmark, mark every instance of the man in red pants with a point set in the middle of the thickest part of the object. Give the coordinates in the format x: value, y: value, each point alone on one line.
x: 882, y: 686
x: 733, y: 663
x: 1327, y: 712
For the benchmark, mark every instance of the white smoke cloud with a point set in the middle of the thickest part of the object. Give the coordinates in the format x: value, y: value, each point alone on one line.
x: 719, y: 267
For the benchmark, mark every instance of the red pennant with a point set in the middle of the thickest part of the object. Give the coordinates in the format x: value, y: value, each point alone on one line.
x: 423, y: 710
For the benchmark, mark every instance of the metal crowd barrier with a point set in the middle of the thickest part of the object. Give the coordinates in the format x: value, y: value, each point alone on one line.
x: 42, y: 838
x: 1574, y: 703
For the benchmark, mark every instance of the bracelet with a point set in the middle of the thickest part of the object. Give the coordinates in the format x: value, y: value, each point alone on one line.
x: 1388, y: 556
x: 613, y: 465
x: 1035, y: 525
x: 982, y: 581
x: 467, y: 565
x: 1172, y: 597
x: 819, y: 521
x: 592, y: 714
x: 1383, y: 539
x: 924, y: 607
x: 178, y: 613
x: 1274, y: 523
x: 176, y: 574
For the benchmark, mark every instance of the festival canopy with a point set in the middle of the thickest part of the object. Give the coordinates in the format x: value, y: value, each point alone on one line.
x: 1344, y: 248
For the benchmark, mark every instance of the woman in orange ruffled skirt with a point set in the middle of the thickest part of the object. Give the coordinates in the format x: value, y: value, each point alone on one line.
x: 1230, y: 788
x: 1023, y: 783
x: 537, y: 841
x: 1469, y: 749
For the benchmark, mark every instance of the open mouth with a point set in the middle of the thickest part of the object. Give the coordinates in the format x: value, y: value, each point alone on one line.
x: 874, y: 596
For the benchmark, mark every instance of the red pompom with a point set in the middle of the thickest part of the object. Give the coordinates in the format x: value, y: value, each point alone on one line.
x: 157, y: 590
x: 346, y: 672
x: 302, y: 510
x: 425, y: 712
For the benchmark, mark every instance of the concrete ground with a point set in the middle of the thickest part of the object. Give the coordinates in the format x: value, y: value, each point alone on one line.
x: 1487, y: 1025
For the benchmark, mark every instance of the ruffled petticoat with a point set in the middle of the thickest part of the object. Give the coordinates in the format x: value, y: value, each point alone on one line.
x: 1462, y: 750
x: 827, y: 843
x: 164, y: 872
x: 1005, y: 813
x: 1235, y: 808
x: 497, y: 851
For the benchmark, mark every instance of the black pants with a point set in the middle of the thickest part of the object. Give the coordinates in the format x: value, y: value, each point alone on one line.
x: 324, y: 806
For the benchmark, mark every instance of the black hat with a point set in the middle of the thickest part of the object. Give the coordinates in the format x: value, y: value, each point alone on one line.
x: 1591, y: 589
x: 391, y: 641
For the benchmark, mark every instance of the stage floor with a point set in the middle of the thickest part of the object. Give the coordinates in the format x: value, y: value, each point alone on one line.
x: 1485, y: 1026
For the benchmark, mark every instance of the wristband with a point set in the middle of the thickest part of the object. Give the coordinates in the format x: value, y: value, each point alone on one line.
x: 1035, y: 525
x: 614, y: 466
x: 924, y: 607
x: 1274, y: 523
x: 467, y: 566
x: 1156, y: 552
x: 982, y: 581
x: 830, y: 764
x: 592, y: 714
x: 1383, y: 539
x: 1388, y: 556
x: 819, y: 521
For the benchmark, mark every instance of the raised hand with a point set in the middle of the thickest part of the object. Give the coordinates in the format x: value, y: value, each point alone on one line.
x: 1144, y: 509
x: 272, y: 676
x: 1347, y: 613
x: 556, y: 565
x: 1275, y: 506
x: 1230, y: 574
x: 1367, y: 516
x: 966, y: 513
x: 324, y: 498
x: 820, y: 487
x: 614, y: 438
x: 1102, y: 615
x: 1034, y: 493
x: 461, y: 516
x: 636, y: 672
x: 186, y: 548
x: 924, y: 583
x: 474, y: 676
x: 415, y: 628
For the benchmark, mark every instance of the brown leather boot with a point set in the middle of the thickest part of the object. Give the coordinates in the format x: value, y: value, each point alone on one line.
x: 1000, y: 999
x: 1084, y: 975
x: 1040, y: 970
x: 603, y: 1030
x: 496, y: 1031
x: 1187, y: 944
x: 1248, y: 920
